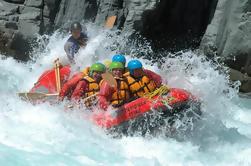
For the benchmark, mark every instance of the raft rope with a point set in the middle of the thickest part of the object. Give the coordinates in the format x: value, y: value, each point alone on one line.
x: 160, y: 91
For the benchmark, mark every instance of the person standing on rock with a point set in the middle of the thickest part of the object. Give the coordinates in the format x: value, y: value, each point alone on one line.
x: 77, y: 40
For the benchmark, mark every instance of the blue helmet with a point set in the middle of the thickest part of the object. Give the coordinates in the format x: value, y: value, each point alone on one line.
x: 134, y: 64
x: 119, y: 58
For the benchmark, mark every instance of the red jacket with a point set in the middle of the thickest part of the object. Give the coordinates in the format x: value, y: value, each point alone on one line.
x: 153, y: 76
x: 105, y: 95
x: 70, y: 85
x: 79, y: 90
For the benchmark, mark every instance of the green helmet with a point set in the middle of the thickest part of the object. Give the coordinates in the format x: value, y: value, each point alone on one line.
x: 97, y: 67
x: 116, y: 65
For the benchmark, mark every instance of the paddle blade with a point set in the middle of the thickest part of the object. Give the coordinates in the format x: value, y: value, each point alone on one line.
x: 110, y: 22
x: 32, y: 96
x: 108, y: 77
x: 36, y: 96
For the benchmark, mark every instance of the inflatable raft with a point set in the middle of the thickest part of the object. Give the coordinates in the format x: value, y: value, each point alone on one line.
x: 141, y: 114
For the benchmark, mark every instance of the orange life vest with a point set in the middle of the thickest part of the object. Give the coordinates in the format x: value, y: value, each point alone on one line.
x: 139, y: 87
x: 85, y: 71
x: 122, y: 94
x: 93, y: 86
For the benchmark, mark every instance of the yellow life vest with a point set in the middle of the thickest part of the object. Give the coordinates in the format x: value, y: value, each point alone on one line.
x: 122, y: 94
x: 140, y: 87
x: 93, y: 86
x: 126, y: 74
x: 86, y: 71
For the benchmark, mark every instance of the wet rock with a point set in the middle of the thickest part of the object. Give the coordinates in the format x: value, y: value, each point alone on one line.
x: 83, y: 10
x: 30, y: 13
x: 7, y: 8
x: 11, y: 25
x: 245, y: 80
x: 34, y: 3
x: 229, y: 34
x: 15, y: 1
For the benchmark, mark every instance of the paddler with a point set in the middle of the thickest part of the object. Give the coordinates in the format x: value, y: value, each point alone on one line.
x: 77, y: 40
x: 139, y: 81
x: 115, y: 96
x: 120, y: 58
x: 89, y: 85
x: 71, y: 84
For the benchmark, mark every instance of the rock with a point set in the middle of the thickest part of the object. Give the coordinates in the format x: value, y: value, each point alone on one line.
x: 15, y: 1
x: 29, y: 28
x: 30, y: 13
x: 129, y: 13
x: 19, y: 25
x: 14, y: 18
x: 34, y: 3
x: 136, y: 8
x: 83, y: 10
x: 229, y: 34
x: 7, y: 8
x: 109, y: 8
x: 11, y: 25
x: 21, y: 46
x: 6, y: 36
x: 243, y: 78
x: 29, y: 22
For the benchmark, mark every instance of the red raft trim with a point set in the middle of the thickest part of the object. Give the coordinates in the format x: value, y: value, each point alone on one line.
x: 47, y: 81
x: 139, y: 107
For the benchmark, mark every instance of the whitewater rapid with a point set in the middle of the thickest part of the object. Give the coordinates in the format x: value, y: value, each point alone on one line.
x: 45, y: 134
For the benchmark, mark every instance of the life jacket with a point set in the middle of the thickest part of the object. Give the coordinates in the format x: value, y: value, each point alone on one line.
x: 126, y: 74
x: 93, y: 88
x: 85, y: 71
x: 140, y: 87
x: 122, y: 93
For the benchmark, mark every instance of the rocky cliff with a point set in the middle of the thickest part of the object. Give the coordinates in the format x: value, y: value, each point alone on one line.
x: 219, y: 27
x: 229, y: 37
x: 22, y: 20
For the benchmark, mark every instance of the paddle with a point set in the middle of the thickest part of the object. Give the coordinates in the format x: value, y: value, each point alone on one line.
x: 108, y: 77
x: 110, y: 21
x: 57, y: 75
x: 34, y: 96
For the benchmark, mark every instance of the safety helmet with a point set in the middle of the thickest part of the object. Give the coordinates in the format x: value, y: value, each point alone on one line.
x: 107, y: 63
x: 119, y: 58
x: 76, y: 26
x: 116, y: 65
x: 97, y: 67
x: 134, y: 64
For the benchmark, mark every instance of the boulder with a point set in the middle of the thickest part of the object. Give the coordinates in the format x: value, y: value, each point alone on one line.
x: 30, y: 13
x: 229, y: 34
x: 245, y: 80
x: 15, y: 1
x: 83, y: 10
x: 34, y: 3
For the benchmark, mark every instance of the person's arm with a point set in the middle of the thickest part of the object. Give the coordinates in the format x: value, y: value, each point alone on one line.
x: 83, y: 39
x: 105, y: 95
x: 69, y: 85
x: 153, y: 76
x: 79, y: 90
x: 70, y: 51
